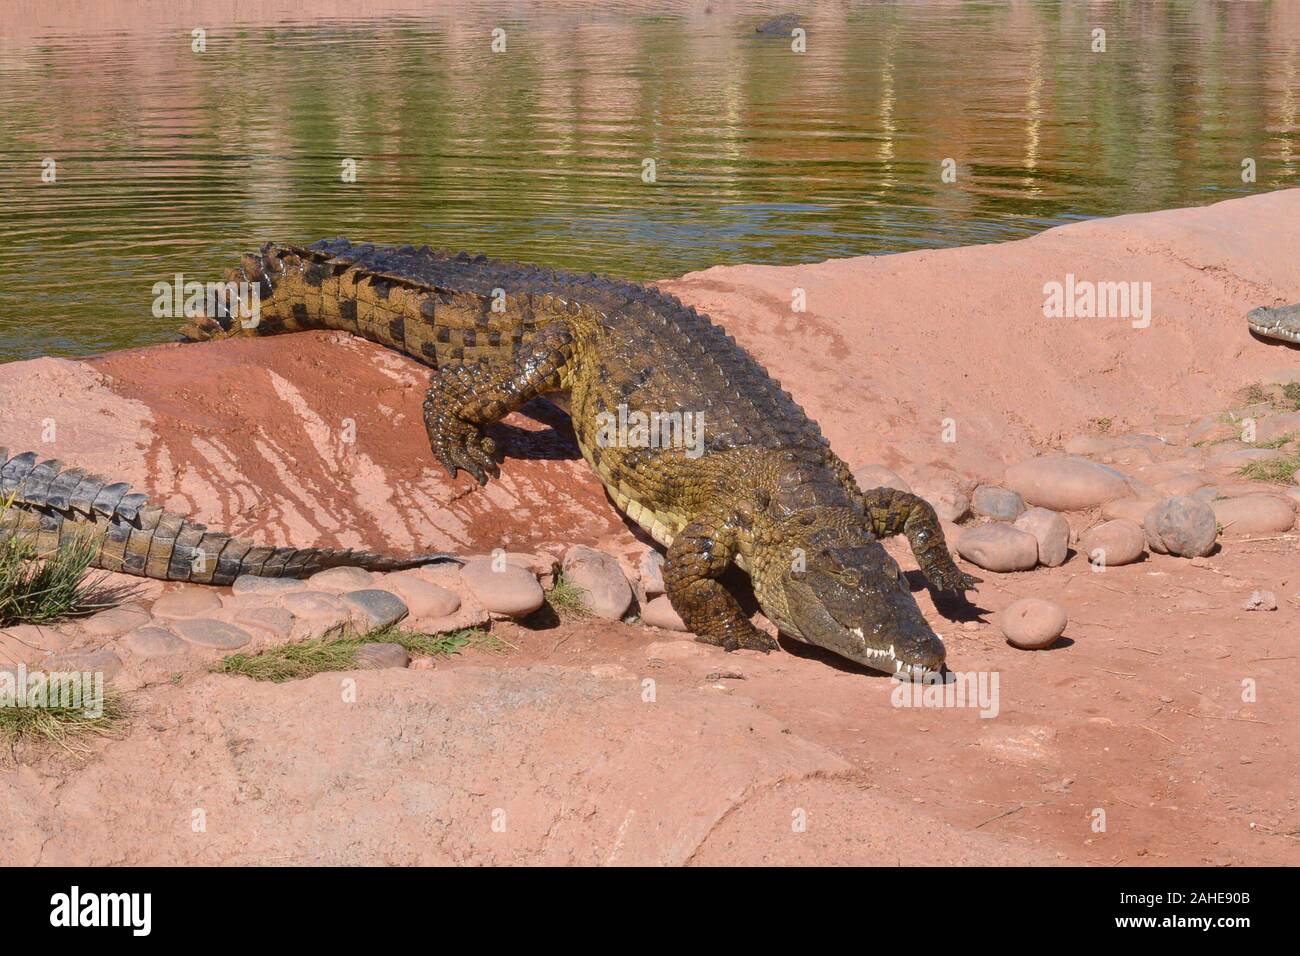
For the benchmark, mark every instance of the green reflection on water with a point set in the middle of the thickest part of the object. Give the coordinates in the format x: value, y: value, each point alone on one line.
x: 174, y: 161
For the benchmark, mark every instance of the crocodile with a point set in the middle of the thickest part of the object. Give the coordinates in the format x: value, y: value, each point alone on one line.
x: 1281, y: 323
x: 52, y: 506
x: 762, y: 490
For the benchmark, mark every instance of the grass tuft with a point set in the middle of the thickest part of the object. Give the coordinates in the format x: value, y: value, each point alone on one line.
x: 338, y: 652
x: 1256, y: 394
x: 41, y: 588
x: 69, y: 728
x: 567, y: 599
x: 1278, y: 470
x: 1279, y: 441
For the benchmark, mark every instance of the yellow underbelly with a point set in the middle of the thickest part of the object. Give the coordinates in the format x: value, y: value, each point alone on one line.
x: 663, y: 526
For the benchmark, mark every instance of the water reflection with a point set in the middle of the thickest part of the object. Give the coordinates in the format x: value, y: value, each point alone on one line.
x: 170, y: 160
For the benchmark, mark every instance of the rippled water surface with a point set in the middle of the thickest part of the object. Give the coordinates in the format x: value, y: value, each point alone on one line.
x: 169, y: 160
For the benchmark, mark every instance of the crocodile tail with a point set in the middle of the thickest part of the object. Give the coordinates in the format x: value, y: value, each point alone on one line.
x: 436, y: 307
x: 54, y: 507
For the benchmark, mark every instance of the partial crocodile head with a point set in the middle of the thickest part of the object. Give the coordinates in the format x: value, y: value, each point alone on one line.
x: 1282, y: 323
x: 832, y: 584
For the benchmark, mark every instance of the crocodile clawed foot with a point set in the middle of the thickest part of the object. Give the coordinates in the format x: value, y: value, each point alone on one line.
x: 954, y: 580
x: 756, y: 641
x: 942, y: 574
x: 751, y: 639
x: 465, y: 447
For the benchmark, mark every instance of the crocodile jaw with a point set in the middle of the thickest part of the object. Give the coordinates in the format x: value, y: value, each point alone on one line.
x: 1282, y: 323
x: 887, y: 660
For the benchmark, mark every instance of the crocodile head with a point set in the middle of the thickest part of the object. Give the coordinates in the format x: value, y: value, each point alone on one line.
x: 835, y: 586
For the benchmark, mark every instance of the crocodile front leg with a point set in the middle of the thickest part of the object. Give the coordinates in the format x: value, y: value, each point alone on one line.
x: 892, y: 512
x: 698, y: 556
x: 463, y: 399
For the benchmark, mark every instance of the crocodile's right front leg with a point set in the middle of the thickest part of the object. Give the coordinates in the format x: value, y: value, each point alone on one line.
x: 697, y: 557
x: 463, y: 399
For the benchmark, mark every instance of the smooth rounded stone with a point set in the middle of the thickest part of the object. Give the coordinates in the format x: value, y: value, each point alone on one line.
x: 1154, y: 475
x: 27, y: 643
x: 1230, y: 462
x: 273, y: 621
x: 1051, y: 531
x: 659, y: 612
x: 652, y: 572
x: 948, y: 502
x: 878, y: 476
x: 1254, y: 514
x: 1129, y: 456
x: 511, y: 591
x: 1066, y: 482
x: 1183, y: 484
x: 252, y: 583
x: 314, y: 605
x: 342, y: 579
x: 381, y: 656
x: 423, y: 598
x: 1140, y: 449
x: 153, y: 641
x: 1260, y: 601
x: 1140, y: 490
x: 997, y: 503
x: 207, y: 632
x: 1113, y: 543
x: 607, y: 592
x: 102, y: 661
x: 1130, y: 509
x: 250, y: 599
x: 115, y: 621
x: 1236, y: 489
x: 1033, y: 623
x: 1181, y: 526
x: 1278, y: 426
x: 373, y: 608
x: 190, y: 602
x: 540, y: 564
x: 998, y: 547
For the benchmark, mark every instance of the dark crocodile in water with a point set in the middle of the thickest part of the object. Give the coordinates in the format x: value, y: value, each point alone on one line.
x: 761, y: 490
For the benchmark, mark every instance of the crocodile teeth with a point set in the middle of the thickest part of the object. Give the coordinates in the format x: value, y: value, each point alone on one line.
x: 874, y: 652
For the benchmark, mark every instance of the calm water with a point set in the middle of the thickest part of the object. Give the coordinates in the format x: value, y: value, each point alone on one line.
x: 170, y: 160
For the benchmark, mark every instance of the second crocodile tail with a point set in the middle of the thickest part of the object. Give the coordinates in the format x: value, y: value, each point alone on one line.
x: 55, y: 506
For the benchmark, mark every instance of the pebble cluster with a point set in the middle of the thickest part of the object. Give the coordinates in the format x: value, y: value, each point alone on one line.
x: 1110, y: 499
x: 189, y: 627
